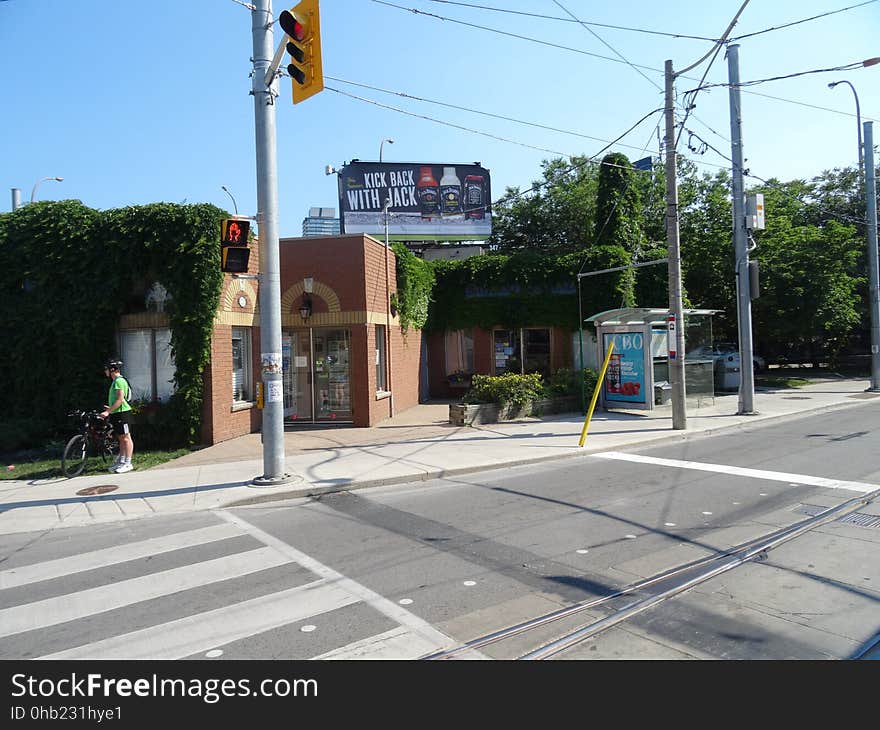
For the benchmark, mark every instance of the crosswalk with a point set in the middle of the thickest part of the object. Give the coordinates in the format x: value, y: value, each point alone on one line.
x: 157, y: 598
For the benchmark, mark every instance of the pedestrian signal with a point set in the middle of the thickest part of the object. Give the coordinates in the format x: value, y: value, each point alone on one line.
x: 234, y: 251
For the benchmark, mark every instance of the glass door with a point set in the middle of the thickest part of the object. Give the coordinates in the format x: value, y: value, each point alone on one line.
x: 332, y: 349
x: 297, y: 376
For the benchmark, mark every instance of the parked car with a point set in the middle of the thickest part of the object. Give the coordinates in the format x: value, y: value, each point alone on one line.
x: 725, y: 351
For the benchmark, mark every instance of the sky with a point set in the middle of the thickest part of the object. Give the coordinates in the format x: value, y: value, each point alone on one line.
x: 140, y: 102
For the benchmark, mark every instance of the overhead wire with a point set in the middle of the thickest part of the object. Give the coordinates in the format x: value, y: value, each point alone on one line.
x: 803, y: 20
x: 755, y: 82
x: 416, y: 11
x: 476, y: 111
x: 608, y: 45
x: 582, y: 22
x: 688, y: 107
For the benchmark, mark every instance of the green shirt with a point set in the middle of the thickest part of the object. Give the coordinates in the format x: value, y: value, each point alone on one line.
x: 119, y: 383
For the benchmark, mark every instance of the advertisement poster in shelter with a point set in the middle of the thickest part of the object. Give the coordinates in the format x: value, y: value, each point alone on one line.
x: 625, y: 377
x: 439, y: 202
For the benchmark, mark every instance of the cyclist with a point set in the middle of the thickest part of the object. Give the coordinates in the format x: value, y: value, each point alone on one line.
x: 119, y: 412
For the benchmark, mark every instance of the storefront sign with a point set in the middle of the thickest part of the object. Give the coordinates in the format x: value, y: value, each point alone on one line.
x: 447, y: 202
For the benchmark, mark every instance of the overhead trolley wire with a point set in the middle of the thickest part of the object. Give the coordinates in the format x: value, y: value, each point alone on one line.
x: 803, y: 20
x: 477, y: 111
x: 416, y: 11
x: 582, y: 22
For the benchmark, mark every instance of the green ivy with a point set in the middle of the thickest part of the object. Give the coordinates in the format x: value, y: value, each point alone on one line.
x: 415, y: 282
x: 526, y: 289
x: 70, y: 271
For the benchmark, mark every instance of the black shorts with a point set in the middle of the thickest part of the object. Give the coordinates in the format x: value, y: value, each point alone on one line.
x: 121, y: 422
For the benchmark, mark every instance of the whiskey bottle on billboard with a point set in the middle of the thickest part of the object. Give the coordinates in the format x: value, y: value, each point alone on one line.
x: 450, y: 192
x: 428, y: 193
x: 474, y: 197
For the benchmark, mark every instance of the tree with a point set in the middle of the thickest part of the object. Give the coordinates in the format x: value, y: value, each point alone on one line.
x: 557, y: 217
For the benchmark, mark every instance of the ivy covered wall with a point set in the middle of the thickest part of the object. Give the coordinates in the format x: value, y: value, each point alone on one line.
x: 526, y: 289
x: 67, y: 272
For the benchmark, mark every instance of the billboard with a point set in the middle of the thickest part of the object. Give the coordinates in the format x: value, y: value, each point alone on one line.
x: 434, y: 202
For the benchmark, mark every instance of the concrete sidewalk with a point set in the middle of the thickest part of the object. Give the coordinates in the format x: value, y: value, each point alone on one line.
x: 417, y: 444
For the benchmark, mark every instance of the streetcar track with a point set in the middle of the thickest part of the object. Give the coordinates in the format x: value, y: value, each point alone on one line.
x: 705, y: 570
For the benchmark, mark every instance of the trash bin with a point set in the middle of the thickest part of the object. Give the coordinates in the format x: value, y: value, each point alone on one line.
x: 727, y: 374
x: 662, y: 393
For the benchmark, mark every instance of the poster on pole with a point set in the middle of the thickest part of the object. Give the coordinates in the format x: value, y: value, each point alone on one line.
x: 437, y: 202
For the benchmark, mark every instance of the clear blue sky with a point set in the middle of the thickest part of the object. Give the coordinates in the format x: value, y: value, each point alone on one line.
x: 138, y: 102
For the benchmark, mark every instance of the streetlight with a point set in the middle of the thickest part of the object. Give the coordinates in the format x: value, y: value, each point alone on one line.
x: 37, y: 184
x: 873, y: 276
x: 388, y: 385
x: 225, y: 190
x: 382, y: 143
x: 859, y: 126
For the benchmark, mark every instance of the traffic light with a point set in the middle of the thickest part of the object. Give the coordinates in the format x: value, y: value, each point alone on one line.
x: 234, y: 251
x: 302, y: 25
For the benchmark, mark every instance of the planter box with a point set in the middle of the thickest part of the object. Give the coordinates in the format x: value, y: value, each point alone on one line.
x: 461, y: 414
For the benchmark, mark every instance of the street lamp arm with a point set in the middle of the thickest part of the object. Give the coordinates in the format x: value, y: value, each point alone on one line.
x: 858, y: 123
x: 39, y: 182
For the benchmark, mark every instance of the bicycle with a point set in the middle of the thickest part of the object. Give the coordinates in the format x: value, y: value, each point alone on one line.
x: 95, y: 437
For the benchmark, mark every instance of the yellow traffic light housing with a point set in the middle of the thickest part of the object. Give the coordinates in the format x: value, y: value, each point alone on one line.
x: 234, y: 251
x: 302, y: 24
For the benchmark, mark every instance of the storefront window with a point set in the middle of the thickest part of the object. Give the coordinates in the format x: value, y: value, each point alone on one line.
x: 148, y: 364
x: 381, y: 380
x: 459, y: 352
x: 522, y: 351
x: 241, y: 364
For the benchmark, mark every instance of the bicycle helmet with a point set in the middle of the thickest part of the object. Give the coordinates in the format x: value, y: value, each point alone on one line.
x: 113, y: 365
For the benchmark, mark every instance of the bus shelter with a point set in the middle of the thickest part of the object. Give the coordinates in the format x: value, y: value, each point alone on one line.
x: 644, y: 343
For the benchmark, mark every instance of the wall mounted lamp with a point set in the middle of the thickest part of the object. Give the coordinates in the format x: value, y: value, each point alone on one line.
x: 305, y: 309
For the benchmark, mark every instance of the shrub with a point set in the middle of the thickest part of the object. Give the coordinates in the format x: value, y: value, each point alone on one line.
x: 158, y: 425
x: 20, y: 433
x: 565, y: 382
x: 507, y: 389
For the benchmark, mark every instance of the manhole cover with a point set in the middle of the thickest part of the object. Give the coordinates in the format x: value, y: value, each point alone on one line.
x: 860, y: 519
x: 100, y: 489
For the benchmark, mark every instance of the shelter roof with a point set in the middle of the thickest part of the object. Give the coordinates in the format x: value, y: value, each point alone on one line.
x: 642, y: 315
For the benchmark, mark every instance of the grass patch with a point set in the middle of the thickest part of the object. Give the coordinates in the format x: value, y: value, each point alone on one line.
x: 45, y: 462
x: 781, y: 382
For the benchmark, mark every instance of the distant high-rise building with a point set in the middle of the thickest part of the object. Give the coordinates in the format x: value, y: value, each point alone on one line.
x: 321, y: 222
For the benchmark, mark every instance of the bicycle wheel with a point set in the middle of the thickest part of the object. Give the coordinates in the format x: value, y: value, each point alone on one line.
x: 73, y: 461
x: 109, y: 448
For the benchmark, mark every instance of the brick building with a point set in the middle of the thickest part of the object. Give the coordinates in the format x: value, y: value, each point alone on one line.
x: 334, y: 322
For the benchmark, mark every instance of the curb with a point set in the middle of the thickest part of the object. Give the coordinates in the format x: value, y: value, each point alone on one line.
x: 317, y: 491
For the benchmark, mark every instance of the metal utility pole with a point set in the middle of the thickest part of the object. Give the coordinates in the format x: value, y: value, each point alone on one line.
x: 388, y: 346
x: 740, y: 242
x: 676, y: 357
x: 16, y: 198
x: 270, y: 269
x: 873, y: 273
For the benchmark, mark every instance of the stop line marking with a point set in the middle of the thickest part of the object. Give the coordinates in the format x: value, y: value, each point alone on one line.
x: 776, y: 476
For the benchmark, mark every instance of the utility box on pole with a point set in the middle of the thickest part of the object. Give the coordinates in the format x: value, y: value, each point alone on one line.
x: 755, y: 212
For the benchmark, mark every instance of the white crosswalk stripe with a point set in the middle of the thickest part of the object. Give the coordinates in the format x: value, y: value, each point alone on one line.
x: 78, y: 605
x: 325, y: 590
x: 119, y: 554
x: 203, y: 631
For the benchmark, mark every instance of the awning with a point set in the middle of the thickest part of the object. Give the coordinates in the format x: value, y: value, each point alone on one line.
x: 642, y: 315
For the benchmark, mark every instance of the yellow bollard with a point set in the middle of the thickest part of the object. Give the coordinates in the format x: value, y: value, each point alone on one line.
x: 599, y: 383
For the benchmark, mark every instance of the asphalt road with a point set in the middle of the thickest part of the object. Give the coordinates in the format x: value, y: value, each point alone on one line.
x: 403, y: 572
